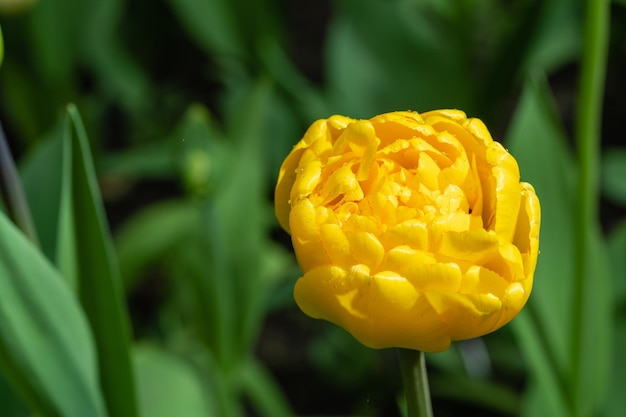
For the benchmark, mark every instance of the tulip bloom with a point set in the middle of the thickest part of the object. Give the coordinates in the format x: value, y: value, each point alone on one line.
x: 412, y: 230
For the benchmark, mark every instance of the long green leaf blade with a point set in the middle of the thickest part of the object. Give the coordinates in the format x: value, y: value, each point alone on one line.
x: 547, y: 338
x: 541, y: 329
x: 85, y: 254
x: 46, y: 350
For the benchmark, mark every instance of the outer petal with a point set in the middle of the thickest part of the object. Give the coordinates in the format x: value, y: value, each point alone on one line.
x: 507, y: 191
x: 305, y: 236
x: 527, y: 230
x: 286, y: 178
x: 287, y: 174
x: 467, y: 315
x: 381, y: 311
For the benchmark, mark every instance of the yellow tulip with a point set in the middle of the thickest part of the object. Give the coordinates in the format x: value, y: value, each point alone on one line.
x: 412, y: 230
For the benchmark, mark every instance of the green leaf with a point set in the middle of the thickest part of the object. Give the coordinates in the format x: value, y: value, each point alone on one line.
x: 122, y: 79
x: 545, y: 329
x: 10, y: 404
x: 46, y: 349
x: 613, y: 174
x: 615, y: 406
x: 212, y: 24
x: 169, y: 225
x: 617, y: 254
x: 154, y: 161
x: 86, y: 258
x: 390, y: 56
x: 557, y: 38
x: 40, y: 171
x: 168, y: 386
x: 265, y: 395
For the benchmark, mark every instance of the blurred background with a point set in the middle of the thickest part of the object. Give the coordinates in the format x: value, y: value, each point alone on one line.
x: 190, y: 107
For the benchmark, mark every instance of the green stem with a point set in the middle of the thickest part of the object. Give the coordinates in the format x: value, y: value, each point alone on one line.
x: 415, y: 380
x: 587, y: 131
x: 13, y: 194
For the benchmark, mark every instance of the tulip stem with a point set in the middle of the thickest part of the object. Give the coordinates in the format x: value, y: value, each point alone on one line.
x: 415, y: 380
x: 588, y: 140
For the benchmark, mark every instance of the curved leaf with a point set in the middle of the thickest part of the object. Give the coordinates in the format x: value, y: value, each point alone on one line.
x: 46, y: 350
x: 85, y: 256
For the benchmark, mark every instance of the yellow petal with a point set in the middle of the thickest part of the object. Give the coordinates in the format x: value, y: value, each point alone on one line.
x: 507, y: 191
x: 475, y: 245
x: 452, y: 114
x: 366, y: 249
x: 305, y: 237
x: 336, y: 245
x: 317, y: 133
x: 342, y: 185
x: 480, y: 280
x: 435, y: 276
x: 514, y: 299
x: 286, y: 178
x: 412, y: 233
x: 478, y: 129
x: 359, y: 223
x: 428, y: 171
x: 453, y: 222
x: 466, y: 315
x: 527, y: 230
x: 381, y: 311
x: 401, y: 258
x: 307, y: 178
x: 508, y: 263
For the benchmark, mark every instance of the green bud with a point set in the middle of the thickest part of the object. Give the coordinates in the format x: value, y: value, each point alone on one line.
x: 197, y: 173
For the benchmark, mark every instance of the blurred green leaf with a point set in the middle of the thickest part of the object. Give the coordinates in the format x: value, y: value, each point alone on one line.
x: 213, y: 25
x: 616, y: 403
x: 55, y: 49
x: 121, y: 77
x: 46, y: 349
x: 10, y: 405
x: 168, y: 386
x: 482, y: 392
x: 169, y: 225
x: 263, y: 391
x: 541, y: 328
x: 21, y: 92
x: 85, y: 256
x: 545, y: 327
x: 40, y: 171
x: 558, y: 37
x: 384, y: 57
x: 614, y: 174
x: 153, y: 161
x: 310, y: 102
x: 617, y: 254
x: 243, y: 214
